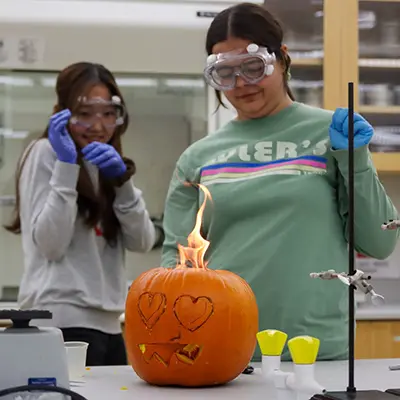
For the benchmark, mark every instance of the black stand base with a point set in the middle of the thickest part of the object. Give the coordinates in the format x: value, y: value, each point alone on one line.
x: 359, y: 395
x: 394, y: 391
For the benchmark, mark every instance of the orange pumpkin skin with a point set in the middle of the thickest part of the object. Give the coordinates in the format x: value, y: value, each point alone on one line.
x: 190, y: 327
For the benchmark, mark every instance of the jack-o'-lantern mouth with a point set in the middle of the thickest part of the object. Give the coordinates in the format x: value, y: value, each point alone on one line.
x: 164, y: 352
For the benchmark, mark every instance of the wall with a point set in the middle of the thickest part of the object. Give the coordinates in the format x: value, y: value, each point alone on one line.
x: 162, y: 126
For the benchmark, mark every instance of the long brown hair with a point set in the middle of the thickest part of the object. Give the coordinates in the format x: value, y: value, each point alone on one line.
x: 93, y: 207
x: 252, y: 22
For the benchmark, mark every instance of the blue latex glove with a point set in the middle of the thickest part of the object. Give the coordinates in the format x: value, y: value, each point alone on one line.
x: 339, y: 130
x: 106, y: 158
x: 59, y: 138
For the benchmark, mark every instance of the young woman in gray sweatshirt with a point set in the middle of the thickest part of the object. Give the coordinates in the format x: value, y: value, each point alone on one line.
x: 78, y: 211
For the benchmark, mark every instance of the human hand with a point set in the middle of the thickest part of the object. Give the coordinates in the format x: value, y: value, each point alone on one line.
x: 106, y: 158
x: 60, y: 139
x: 339, y: 130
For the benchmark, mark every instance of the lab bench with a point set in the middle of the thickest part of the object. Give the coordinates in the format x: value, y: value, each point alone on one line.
x: 104, y: 383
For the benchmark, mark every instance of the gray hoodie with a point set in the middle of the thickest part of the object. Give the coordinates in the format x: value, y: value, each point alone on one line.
x: 69, y: 268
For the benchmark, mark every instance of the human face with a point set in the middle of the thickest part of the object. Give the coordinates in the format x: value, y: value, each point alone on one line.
x: 98, y: 114
x: 254, y: 100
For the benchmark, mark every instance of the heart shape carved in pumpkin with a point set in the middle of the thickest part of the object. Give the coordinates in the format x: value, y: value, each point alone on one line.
x: 193, y: 312
x: 151, y: 306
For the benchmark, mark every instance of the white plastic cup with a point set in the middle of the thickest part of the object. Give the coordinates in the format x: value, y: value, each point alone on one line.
x: 76, y: 357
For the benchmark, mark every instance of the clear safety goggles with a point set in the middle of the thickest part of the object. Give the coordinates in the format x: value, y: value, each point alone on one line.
x: 111, y: 113
x: 251, y: 64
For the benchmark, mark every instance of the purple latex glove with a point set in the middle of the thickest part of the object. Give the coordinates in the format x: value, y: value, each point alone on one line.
x: 106, y: 158
x: 59, y: 138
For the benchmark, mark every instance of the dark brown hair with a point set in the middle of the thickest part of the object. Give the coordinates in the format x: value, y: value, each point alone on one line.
x: 251, y: 22
x: 94, y: 208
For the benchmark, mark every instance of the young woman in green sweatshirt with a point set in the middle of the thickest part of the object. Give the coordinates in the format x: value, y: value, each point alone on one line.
x: 278, y: 178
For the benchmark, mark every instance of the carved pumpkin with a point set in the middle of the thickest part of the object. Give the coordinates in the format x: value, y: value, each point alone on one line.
x: 190, y: 326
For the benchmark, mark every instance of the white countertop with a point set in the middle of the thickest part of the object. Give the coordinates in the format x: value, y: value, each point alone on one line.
x: 385, y: 312
x: 364, y: 311
x: 118, y: 383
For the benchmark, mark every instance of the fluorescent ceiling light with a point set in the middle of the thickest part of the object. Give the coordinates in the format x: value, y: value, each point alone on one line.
x: 185, y: 83
x: 136, y: 82
x: 11, y: 134
x: 15, y: 81
x: 48, y: 82
x: 142, y: 82
x: 123, y: 82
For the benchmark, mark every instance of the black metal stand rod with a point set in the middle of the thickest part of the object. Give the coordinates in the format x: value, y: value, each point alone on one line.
x: 351, y: 388
x: 351, y: 392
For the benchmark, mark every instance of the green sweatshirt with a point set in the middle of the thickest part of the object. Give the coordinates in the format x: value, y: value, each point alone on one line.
x: 279, y: 212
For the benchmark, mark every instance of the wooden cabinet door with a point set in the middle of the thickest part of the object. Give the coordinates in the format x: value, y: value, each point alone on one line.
x: 377, y: 339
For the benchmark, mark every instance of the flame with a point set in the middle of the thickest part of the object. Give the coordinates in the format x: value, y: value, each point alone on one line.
x: 194, y: 253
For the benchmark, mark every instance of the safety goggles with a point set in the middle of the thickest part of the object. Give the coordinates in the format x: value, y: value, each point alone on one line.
x: 111, y: 113
x: 251, y: 64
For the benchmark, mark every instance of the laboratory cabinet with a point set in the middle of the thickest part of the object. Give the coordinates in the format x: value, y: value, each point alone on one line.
x: 333, y: 42
x: 371, y: 49
x: 377, y: 339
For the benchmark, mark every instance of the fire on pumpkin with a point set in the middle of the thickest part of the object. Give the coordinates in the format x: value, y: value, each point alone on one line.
x: 190, y: 326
